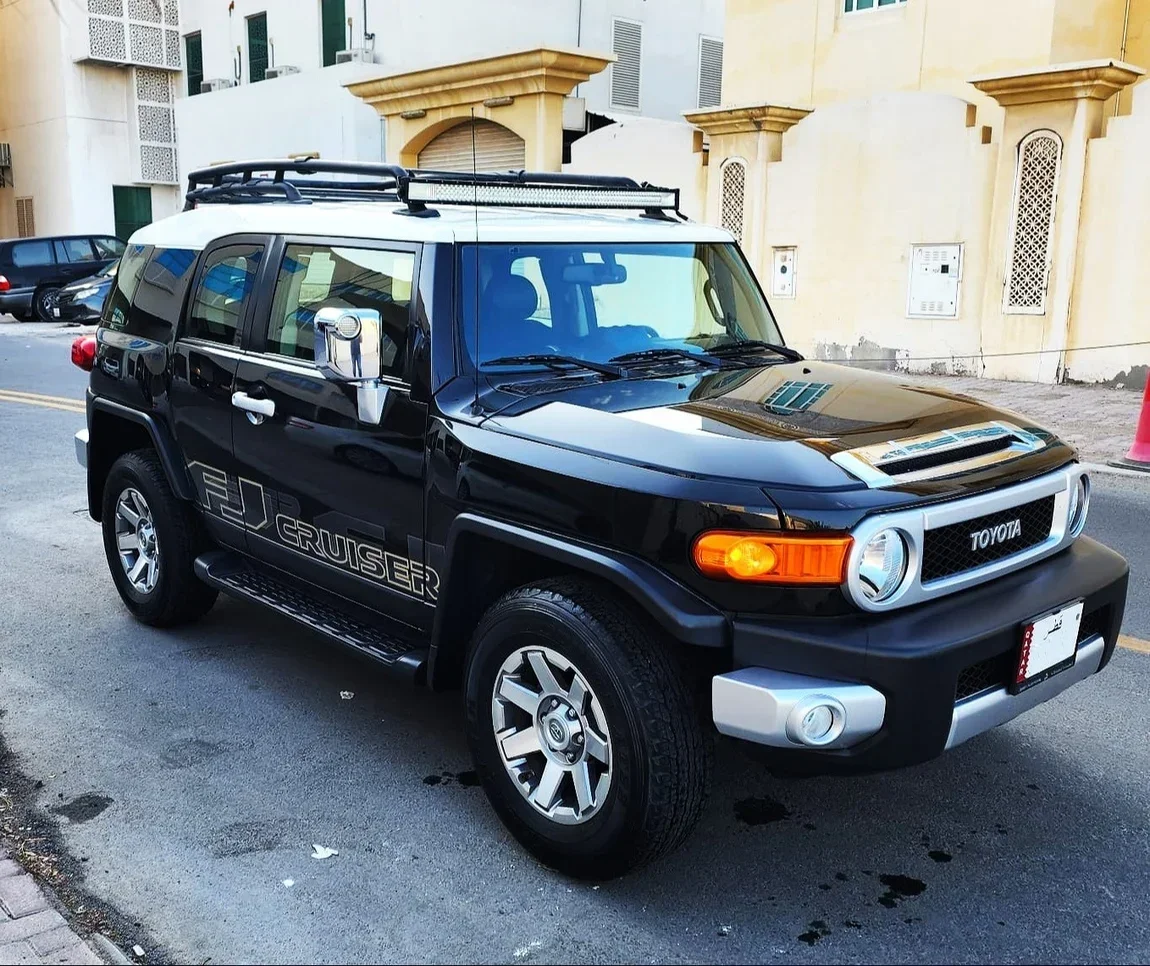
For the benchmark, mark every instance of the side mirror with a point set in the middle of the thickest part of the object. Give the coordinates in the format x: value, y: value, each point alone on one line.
x: 347, y: 343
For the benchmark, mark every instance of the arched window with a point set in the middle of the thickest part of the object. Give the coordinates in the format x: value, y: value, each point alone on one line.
x: 733, y: 183
x: 1032, y: 228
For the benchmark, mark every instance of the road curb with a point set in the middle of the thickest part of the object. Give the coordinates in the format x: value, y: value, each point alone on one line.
x: 109, y: 950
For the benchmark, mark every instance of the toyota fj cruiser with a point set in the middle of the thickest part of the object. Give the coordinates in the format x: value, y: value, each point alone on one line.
x: 561, y: 458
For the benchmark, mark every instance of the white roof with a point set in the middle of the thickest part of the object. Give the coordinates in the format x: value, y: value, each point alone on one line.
x: 381, y: 221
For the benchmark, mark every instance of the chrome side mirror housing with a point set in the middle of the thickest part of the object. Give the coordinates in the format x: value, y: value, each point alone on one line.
x: 348, y: 345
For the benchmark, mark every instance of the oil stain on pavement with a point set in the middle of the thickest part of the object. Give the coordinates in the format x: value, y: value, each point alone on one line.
x: 760, y: 811
x: 899, y: 887
x: 82, y: 808
x: 468, y: 779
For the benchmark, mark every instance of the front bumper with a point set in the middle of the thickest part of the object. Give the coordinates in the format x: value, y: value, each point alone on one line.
x: 938, y: 668
x: 85, y: 310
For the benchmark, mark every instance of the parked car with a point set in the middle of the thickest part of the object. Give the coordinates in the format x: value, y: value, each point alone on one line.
x: 563, y: 461
x: 33, y: 270
x: 83, y: 301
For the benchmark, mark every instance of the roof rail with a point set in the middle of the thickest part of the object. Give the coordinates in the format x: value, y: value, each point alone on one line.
x: 253, y: 182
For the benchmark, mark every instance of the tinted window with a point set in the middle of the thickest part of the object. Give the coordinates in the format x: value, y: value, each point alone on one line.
x: 160, y: 293
x: 74, y: 250
x: 127, y: 279
x: 108, y: 247
x: 32, y: 253
x: 313, y: 277
x: 227, y: 283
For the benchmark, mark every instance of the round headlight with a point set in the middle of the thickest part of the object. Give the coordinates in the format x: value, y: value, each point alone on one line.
x: 1079, y: 505
x: 882, y: 565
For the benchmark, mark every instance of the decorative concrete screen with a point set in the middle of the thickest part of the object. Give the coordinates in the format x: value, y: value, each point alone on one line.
x: 733, y: 188
x: 140, y: 32
x: 1035, y: 191
x: 155, y: 130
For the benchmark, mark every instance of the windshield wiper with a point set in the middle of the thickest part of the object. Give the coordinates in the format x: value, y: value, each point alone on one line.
x: 555, y: 361
x: 656, y: 355
x: 755, y: 345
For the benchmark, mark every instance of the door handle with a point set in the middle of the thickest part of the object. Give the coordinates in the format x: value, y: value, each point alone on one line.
x: 256, y: 409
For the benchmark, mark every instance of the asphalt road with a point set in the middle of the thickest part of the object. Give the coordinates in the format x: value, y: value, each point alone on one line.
x: 186, y: 775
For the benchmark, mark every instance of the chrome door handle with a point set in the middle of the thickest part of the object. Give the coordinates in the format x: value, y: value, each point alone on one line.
x: 256, y: 409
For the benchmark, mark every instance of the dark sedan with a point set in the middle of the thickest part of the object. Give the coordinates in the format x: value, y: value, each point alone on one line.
x: 83, y: 301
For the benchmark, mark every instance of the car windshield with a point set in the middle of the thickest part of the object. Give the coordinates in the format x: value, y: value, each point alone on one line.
x: 598, y: 302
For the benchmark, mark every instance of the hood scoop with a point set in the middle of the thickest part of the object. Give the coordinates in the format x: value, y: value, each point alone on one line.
x: 934, y: 455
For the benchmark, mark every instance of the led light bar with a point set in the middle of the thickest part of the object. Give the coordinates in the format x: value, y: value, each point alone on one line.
x: 540, y: 196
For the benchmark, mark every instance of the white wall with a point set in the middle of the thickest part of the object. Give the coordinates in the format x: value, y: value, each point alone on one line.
x: 289, y: 115
x: 68, y: 123
x: 647, y: 149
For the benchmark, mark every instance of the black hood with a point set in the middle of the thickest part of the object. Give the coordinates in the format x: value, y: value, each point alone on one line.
x: 777, y: 425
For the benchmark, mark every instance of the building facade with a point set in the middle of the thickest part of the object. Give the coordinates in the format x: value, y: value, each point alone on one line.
x: 87, y: 130
x: 942, y: 186
x: 278, y: 75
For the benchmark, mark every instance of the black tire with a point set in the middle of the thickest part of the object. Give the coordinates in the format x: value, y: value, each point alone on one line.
x: 178, y: 596
x: 44, y: 301
x: 661, y: 752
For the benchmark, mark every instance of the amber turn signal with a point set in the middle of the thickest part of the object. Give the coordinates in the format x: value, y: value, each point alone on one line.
x: 772, y: 557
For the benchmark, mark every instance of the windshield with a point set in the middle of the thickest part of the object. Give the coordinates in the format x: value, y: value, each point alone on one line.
x: 596, y: 302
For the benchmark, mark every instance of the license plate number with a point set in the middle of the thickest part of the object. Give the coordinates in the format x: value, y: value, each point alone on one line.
x: 1049, y: 645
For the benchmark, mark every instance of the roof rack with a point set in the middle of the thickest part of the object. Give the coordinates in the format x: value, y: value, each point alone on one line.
x: 256, y: 182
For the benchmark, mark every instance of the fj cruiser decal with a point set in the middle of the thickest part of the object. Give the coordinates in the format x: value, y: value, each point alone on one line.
x: 244, y: 502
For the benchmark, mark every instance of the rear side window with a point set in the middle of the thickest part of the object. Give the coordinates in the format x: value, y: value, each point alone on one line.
x: 223, y: 293
x: 312, y: 277
x: 30, y: 253
x: 108, y: 247
x: 74, y: 250
x: 118, y: 303
x: 160, y: 292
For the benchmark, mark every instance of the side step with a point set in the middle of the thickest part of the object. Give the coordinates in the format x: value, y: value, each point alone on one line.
x: 235, y: 576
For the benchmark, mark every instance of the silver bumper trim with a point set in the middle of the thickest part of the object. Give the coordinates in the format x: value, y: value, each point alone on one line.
x: 81, y: 441
x: 981, y: 712
x: 761, y: 705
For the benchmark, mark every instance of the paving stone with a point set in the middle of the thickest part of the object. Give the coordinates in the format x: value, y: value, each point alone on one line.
x: 77, y: 954
x: 53, y: 939
x: 18, y: 954
x: 18, y: 929
x: 8, y: 867
x: 20, y: 896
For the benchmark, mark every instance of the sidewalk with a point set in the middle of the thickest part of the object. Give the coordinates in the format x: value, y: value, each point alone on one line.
x: 31, y: 931
x: 1098, y: 420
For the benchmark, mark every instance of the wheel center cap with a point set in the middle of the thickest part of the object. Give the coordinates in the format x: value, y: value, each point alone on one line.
x: 556, y: 733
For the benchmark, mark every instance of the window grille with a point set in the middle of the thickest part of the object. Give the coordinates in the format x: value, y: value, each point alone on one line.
x: 1032, y: 228
x: 733, y: 189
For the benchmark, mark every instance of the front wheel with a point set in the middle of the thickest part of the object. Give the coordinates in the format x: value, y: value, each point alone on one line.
x: 583, y: 730
x: 44, y: 303
x: 151, y: 539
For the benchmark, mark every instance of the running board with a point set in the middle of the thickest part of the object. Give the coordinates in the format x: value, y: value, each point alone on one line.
x: 237, y: 577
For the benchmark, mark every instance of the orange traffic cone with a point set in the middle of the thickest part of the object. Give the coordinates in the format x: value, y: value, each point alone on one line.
x: 1138, y: 458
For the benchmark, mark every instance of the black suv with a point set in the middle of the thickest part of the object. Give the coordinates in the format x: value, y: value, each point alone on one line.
x: 33, y: 270
x: 562, y: 459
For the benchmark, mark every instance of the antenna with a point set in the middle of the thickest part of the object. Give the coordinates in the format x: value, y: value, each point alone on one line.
x: 475, y: 209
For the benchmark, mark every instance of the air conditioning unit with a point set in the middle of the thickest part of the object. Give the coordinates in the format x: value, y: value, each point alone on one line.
x: 216, y: 84
x: 281, y: 71
x: 356, y: 55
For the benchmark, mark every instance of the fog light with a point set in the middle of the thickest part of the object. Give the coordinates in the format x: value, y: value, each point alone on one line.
x: 817, y: 720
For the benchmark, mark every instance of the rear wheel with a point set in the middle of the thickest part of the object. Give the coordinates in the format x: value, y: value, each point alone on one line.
x: 583, y: 729
x: 44, y: 303
x: 151, y: 539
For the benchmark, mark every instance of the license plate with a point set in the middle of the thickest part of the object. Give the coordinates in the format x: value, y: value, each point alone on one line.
x: 56, y: 312
x: 1049, y: 644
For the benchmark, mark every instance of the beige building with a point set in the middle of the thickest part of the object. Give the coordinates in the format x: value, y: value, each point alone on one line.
x: 942, y: 185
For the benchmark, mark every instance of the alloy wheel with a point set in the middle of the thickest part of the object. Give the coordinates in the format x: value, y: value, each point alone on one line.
x: 136, y: 541
x: 552, y: 734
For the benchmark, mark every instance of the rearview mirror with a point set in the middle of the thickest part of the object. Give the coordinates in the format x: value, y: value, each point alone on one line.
x: 347, y: 343
x: 594, y: 273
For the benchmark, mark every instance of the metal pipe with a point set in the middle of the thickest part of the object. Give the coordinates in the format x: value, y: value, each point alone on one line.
x: 1122, y: 52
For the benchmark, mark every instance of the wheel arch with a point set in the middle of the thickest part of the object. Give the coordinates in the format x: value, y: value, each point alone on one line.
x: 114, y: 429
x: 487, y: 557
